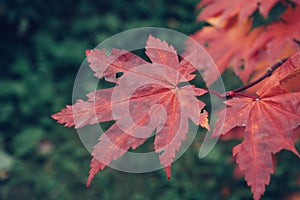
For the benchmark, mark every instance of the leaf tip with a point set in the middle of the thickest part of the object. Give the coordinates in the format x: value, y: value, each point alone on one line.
x: 88, y: 182
x: 151, y: 37
x: 168, y: 171
x: 56, y: 117
x: 53, y: 116
x: 88, y: 51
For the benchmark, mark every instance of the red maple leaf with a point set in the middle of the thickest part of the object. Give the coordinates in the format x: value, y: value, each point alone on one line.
x: 267, y: 123
x: 229, y: 44
x: 233, y: 43
x: 278, y: 36
x: 228, y: 8
x: 277, y: 40
x: 147, y: 97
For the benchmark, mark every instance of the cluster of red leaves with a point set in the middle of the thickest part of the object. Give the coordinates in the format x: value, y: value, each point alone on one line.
x: 268, y: 124
x: 179, y: 102
x: 232, y: 42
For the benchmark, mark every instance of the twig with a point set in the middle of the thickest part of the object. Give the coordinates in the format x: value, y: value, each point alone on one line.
x: 296, y: 41
x: 236, y: 92
x: 268, y: 73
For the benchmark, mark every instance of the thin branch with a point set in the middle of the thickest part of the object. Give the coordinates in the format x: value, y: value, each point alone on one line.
x: 268, y: 73
x: 296, y: 41
x: 236, y: 92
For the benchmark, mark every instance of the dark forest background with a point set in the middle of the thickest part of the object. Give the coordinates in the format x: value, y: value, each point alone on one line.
x: 42, y: 45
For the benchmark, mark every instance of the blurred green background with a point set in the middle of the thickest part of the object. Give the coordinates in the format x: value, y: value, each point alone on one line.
x: 42, y: 47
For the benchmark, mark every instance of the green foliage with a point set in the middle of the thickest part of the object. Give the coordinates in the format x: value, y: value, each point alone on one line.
x: 42, y: 47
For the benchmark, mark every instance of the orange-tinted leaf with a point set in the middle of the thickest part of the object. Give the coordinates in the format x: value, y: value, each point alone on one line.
x: 229, y: 45
x: 275, y: 42
x: 230, y: 8
x: 278, y: 36
x: 232, y: 43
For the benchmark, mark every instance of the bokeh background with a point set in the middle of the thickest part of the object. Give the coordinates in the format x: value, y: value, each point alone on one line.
x: 42, y: 46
